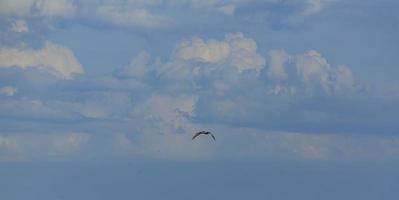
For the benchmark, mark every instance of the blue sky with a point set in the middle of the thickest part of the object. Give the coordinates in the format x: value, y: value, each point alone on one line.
x: 99, y: 99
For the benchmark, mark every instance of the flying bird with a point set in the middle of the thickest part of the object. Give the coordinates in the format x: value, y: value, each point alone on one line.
x: 205, y: 133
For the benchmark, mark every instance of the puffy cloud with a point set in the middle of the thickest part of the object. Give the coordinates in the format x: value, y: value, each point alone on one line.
x: 52, y: 57
x: 19, y: 26
x: 140, y: 17
x: 314, y: 70
x: 211, y: 51
x: 151, y: 109
x: 8, y: 91
x: 234, y: 51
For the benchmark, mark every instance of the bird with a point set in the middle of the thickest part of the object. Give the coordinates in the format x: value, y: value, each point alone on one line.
x: 203, y: 132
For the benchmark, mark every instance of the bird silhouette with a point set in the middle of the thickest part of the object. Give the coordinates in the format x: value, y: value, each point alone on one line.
x: 204, y: 133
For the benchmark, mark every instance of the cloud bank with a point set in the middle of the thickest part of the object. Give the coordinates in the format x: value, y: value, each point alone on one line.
x: 297, y: 106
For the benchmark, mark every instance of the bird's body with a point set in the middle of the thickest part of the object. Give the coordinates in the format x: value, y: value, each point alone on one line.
x: 205, y: 133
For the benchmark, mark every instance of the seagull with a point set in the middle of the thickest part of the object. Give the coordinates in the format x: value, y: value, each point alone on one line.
x: 205, y: 133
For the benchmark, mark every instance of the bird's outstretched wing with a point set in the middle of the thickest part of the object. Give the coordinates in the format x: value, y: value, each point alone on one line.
x: 197, y: 134
x: 213, y: 136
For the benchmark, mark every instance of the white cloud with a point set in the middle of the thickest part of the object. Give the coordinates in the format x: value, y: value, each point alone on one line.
x: 244, y: 54
x: 211, y: 51
x: 19, y: 26
x: 235, y: 51
x: 52, y: 57
x: 139, y: 17
x: 8, y: 91
x: 314, y: 70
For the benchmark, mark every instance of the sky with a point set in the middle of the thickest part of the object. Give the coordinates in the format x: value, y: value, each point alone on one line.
x: 99, y: 99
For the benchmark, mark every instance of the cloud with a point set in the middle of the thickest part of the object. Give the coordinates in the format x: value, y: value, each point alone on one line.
x: 235, y: 51
x: 127, y: 17
x: 227, y: 9
x: 138, y: 66
x: 17, y: 7
x: 232, y: 143
x: 8, y: 91
x: 19, y: 26
x: 313, y: 7
x: 33, y: 146
x: 277, y: 61
x: 314, y: 70
x: 28, y: 8
x: 296, y: 106
x: 55, y: 8
x: 316, y: 147
x: 70, y: 142
x: 169, y: 146
x: 52, y: 57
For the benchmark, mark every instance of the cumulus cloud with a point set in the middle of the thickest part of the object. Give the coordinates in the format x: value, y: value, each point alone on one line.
x: 234, y: 51
x: 314, y: 70
x: 8, y: 91
x: 52, y: 57
x: 150, y: 109
x: 223, y: 63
